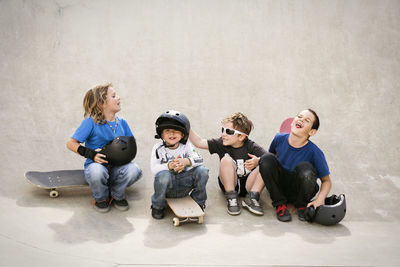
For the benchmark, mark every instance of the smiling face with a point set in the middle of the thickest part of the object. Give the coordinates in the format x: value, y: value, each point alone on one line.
x: 302, y: 124
x: 235, y: 140
x: 171, y: 137
x: 113, y: 102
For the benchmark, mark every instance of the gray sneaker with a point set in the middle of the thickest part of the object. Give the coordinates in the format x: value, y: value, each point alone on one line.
x: 233, y: 202
x: 122, y: 204
x: 251, y: 202
x: 102, y: 206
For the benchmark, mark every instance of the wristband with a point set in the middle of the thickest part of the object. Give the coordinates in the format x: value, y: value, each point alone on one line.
x: 86, y: 152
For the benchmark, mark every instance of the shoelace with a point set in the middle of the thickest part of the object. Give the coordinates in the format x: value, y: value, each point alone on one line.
x: 255, y: 202
x: 281, y: 208
x: 232, y: 202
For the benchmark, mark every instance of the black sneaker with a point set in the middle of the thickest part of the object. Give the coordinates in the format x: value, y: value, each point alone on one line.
x: 122, y: 204
x: 102, y: 206
x: 157, y: 213
x: 301, y: 213
x: 251, y: 202
x: 233, y: 202
x: 283, y: 213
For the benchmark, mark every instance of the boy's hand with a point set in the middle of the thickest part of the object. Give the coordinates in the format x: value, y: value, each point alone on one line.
x: 315, y: 203
x: 100, y: 158
x: 180, y: 164
x: 251, y: 163
x: 171, y: 165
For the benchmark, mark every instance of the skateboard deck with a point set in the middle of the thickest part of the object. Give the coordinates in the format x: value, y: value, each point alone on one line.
x: 56, y: 179
x: 185, y: 210
x: 286, y: 125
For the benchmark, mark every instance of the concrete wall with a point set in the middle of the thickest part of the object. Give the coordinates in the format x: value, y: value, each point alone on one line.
x: 268, y: 59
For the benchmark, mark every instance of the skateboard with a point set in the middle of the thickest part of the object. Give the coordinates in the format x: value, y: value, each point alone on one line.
x: 286, y: 125
x: 185, y: 210
x: 56, y: 179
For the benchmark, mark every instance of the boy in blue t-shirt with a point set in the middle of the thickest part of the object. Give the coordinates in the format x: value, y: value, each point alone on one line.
x: 290, y: 173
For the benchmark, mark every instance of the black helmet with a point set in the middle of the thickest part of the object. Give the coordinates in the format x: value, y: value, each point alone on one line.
x: 332, y: 212
x: 120, y: 151
x: 173, y: 120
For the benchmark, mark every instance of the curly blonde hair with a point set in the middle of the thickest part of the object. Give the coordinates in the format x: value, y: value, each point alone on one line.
x: 240, y: 122
x: 93, y: 102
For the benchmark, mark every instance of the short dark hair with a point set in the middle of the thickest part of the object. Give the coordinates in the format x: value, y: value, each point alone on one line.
x: 316, y: 121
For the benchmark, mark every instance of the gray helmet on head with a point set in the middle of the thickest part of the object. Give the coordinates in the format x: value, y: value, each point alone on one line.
x: 120, y: 151
x: 172, y: 119
x: 332, y: 212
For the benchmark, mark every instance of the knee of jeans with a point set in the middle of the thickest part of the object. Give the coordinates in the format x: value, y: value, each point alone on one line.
x: 133, y: 172
x: 305, y: 170
x: 96, y: 173
x: 266, y: 161
x: 201, y: 173
x: 307, y: 175
x: 163, y: 178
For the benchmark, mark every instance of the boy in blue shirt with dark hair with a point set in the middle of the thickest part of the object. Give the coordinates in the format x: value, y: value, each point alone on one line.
x: 291, y: 169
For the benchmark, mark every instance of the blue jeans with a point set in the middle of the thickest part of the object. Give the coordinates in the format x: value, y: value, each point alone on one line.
x: 116, y: 179
x: 170, y: 185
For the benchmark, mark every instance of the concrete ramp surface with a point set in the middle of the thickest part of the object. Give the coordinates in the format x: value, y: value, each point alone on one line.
x: 208, y: 59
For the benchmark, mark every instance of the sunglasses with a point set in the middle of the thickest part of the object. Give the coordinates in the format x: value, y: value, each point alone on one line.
x: 230, y: 131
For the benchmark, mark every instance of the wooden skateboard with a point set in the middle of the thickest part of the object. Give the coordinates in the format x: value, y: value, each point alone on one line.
x: 56, y: 179
x: 185, y: 210
x: 286, y: 126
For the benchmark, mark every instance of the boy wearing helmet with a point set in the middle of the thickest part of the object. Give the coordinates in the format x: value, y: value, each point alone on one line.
x: 239, y: 156
x: 177, y: 167
x: 290, y: 173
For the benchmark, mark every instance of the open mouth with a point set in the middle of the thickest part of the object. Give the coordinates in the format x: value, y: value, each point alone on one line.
x: 299, y: 125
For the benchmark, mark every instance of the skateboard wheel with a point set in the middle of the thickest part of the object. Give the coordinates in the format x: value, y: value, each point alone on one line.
x: 53, y: 193
x: 176, y: 221
x: 200, y: 221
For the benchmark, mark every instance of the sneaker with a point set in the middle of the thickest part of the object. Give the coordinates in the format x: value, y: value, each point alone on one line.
x: 252, y: 204
x: 233, y: 202
x: 102, y: 206
x: 122, y: 204
x: 157, y: 213
x: 301, y: 213
x: 283, y: 214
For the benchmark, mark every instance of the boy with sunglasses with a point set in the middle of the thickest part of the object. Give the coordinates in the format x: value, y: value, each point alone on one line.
x: 239, y: 156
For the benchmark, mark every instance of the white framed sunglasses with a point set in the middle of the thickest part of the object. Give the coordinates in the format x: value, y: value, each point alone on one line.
x: 230, y: 131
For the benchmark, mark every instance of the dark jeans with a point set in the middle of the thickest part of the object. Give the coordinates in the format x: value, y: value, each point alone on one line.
x: 170, y: 185
x: 297, y: 187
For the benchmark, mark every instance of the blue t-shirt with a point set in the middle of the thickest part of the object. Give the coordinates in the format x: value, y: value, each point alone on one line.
x: 96, y: 135
x: 289, y: 156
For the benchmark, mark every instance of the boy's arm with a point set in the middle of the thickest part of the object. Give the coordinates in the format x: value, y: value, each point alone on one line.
x: 155, y: 163
x: 197, y: 141
x: 195, y: 159
x: 326, y: 185
x: 75, y: 146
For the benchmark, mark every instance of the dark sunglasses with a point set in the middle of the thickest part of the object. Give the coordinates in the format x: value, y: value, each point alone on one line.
x: 230, y: 131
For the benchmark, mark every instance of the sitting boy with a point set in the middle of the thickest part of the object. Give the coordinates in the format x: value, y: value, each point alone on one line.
x: 176, y: 165
x: 239, y: 156
x: 290, y: 172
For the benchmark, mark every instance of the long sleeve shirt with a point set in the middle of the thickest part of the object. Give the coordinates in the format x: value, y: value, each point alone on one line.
x: 161, y: 156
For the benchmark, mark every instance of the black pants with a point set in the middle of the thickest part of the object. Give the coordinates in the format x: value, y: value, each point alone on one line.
x: 297, y: 187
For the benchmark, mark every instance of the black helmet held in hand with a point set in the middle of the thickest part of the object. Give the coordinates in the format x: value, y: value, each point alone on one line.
x: 173, y: 120
x: 120, y: 151
x: 332, y: 212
